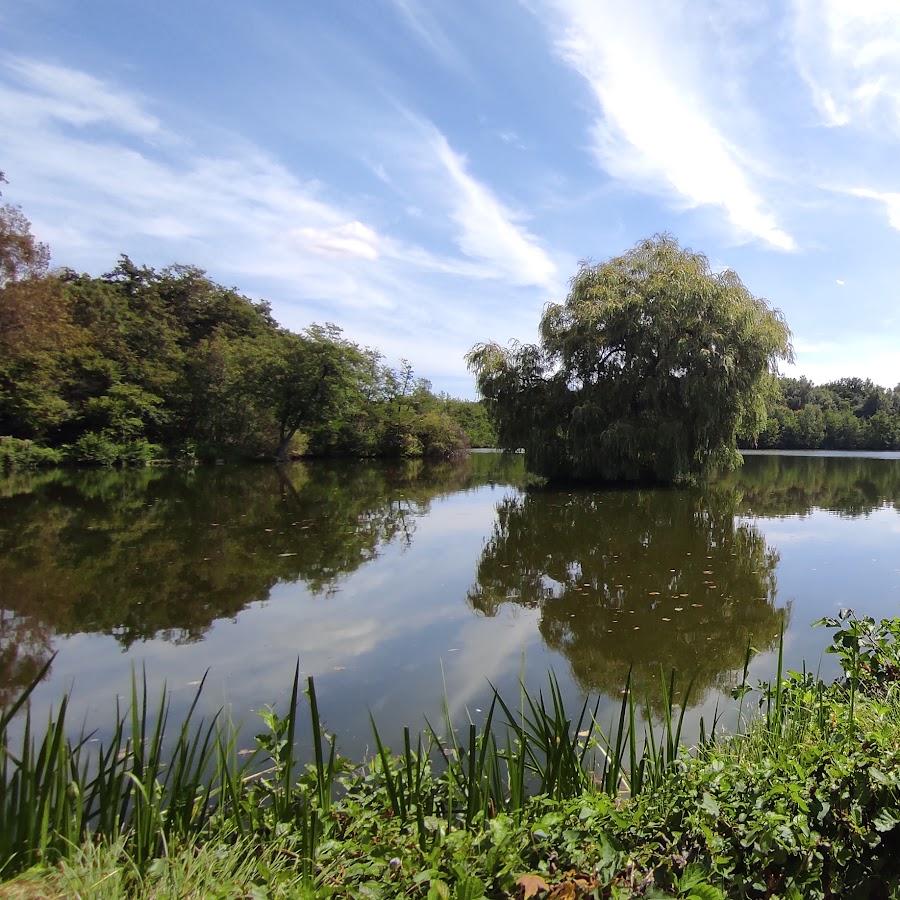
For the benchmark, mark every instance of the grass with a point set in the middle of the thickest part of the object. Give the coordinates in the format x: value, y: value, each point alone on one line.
x: 803, y: 800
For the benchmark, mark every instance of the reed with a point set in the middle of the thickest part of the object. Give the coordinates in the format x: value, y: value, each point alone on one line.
x: 153, y: 785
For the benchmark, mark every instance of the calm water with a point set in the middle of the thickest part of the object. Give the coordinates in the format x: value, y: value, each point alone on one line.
x: 390, y: 581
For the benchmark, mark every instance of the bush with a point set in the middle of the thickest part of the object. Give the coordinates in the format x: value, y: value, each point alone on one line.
x: 21, y: 454
x: 97, y: 448
x: 440, y: 435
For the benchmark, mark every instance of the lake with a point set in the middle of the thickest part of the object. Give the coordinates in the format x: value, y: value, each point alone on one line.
x: 394, y: 584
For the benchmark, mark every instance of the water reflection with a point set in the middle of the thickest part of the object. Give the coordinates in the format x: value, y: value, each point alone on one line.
x: 654, y: 579
x: 374, y: 572
x: 779, y: 485
x: 147, y: 553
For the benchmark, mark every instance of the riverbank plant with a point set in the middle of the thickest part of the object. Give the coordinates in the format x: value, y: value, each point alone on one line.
x: 800, y: 799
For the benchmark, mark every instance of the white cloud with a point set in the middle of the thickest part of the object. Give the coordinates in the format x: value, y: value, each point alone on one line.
x: 888, y: 199
x: 839, y: 282
x: 487, y: 230
x: 848, y: 52
x: 79, y: 99
x: 654, y: 131
x: 351, y: 239
x: 125, y: 184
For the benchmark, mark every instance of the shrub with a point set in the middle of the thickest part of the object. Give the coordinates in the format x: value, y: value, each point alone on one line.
x: 97, y: 448
x: 21, y: 454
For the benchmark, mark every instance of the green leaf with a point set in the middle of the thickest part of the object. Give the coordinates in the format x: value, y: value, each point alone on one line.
x: 439, y: 890
x: 710, y: 804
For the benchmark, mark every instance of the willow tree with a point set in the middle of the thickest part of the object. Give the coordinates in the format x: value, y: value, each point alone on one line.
x: 647, y: 371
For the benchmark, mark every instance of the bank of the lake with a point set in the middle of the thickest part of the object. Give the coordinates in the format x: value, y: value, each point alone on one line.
x: 802, y: 800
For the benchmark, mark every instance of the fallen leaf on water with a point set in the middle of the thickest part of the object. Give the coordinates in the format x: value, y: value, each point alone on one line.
x: 697, y: 604
x: 193, y: 683
x: 453, y: 650
x: 531, y: 885
x: 654, y: 593
x: 665, y: 619
x: 245, y: 752
x: 583, y: 733
x: 339, y: 668
x: 287, y: 554
x: 637, y: 627
x: 679, y: 608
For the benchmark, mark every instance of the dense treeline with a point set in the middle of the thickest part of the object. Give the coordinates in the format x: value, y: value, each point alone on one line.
x: 141, y: 364
x: 848, y: 414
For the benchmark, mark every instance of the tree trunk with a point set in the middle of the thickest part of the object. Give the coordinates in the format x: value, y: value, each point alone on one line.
x: 281, y: 454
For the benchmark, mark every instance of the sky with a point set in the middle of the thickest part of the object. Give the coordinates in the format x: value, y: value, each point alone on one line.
x: 428, y: 174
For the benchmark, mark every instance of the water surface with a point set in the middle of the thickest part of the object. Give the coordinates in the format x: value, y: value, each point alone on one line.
x: 393, y: 583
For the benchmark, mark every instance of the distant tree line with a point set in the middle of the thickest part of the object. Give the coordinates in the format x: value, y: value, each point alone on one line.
x: 848, y: 414
x: 141, y: 364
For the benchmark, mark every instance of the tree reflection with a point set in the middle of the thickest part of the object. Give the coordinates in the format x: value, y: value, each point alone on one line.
x: 163, y: 553
x: 662, y: 580
x: 776, y: 485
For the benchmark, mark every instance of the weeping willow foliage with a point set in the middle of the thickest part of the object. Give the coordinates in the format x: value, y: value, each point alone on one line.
x: 647, y: 371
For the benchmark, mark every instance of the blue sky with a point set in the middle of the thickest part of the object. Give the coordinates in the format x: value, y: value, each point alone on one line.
x: 428, y: 174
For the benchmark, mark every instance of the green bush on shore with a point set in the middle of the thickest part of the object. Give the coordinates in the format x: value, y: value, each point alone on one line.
x: 16, y: 453
x: 803, y: 800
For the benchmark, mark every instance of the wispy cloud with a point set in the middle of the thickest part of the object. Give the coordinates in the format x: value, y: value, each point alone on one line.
x: 487, y: 229
x: 655, y: 131
x: 128, y: 184
x: 424, y: 25
x: 848, y: 52
x: 890, y: 200
x: 79, y: 99
x: 353, y: 239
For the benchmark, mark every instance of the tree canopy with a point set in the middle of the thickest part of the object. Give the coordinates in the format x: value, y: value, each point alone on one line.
x: 847, y: 414
x: 144, y: 363
x: 647, y: 371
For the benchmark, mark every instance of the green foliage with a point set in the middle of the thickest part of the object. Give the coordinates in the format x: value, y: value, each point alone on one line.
x: 802, y: 801
x: 473, y: 418
x: 16, y: 453
x: 141, y: 364
x: 648, y: 370
x: 101, y: 449
x: 849, y: 414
